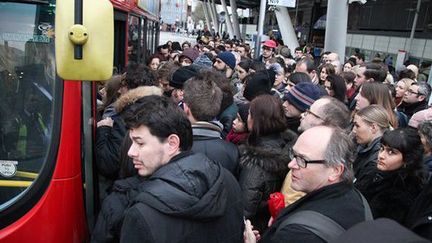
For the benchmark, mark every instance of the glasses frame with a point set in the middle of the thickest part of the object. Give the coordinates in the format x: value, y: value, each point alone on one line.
x: 302, y: 162
x: 412, y: 92
x: 308, y: 111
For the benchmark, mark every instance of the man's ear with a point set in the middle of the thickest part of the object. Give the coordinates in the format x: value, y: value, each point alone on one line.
x: 336, y: 172
x: 421, y: 98
x: 173, y: 142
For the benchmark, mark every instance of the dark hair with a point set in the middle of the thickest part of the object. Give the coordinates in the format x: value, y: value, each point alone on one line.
x: 245, y: 64
x: 257, y: 66
x: 112, y: 87
x: 425, y: 129
x: 150, y: 59
x: 348, y: 76
x: 203, y: 96
x: 350, y: 63
x: 375, y: 71
x: 406, y: 73
x: 352, y: 60
x: 300, y: 77
x: 360, y: 56
x: 268, y: 117
x: 139, y: 75
x: 175, y: 46
x: 338, y: 86
x: 162, y: 117
x: 408, y: 142
x: 310, y: 65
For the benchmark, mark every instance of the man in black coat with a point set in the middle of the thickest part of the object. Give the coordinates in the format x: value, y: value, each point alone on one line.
x: 186, y: 197
x: 202, y: 102
x: 324, y: 174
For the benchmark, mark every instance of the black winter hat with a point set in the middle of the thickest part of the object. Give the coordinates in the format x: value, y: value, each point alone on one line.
x: 181, y: 75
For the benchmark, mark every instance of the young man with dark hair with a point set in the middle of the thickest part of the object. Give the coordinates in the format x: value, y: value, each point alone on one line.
x: 202, y: 104
x: 181, y: 188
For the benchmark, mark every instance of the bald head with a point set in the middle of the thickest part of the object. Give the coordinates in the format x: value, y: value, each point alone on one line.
x: 326, y: 111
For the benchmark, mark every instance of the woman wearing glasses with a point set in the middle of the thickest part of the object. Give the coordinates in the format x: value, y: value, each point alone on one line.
x: 264, y: 159
x: 370, y: 123
x: 400, y: 175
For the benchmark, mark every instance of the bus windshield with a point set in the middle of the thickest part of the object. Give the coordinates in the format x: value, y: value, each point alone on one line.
x: 27, y: 80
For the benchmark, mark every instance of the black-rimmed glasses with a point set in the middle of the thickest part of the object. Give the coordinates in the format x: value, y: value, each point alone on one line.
x: 302, y: 162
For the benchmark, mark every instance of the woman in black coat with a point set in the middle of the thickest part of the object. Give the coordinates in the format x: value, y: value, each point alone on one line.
x: 264, y: 160
x: 400, y: 175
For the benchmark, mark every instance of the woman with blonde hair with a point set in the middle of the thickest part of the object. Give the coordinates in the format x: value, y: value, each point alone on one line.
x: 370, y: 123
x: 402, y: 87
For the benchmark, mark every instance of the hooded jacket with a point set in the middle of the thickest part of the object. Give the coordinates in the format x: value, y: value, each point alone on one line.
x: 190, y: 199
x: 263, y: 170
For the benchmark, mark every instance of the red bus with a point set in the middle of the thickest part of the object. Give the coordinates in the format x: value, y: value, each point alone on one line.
x: 48, y: 184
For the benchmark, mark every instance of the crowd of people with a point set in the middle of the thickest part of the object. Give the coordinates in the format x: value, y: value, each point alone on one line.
x: 198, y: 144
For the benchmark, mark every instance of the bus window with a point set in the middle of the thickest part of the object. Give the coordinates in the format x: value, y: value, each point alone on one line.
x: 133, y: 43
x: 27, y: 80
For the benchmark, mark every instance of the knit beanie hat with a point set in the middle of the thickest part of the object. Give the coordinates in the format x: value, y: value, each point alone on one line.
x: 190, y: 53
x: 181, y: 75
x: 258, y: 83
x: 203, y: 61
x: 303, y: 95
x: 228, y: 58
x: 243, y: 110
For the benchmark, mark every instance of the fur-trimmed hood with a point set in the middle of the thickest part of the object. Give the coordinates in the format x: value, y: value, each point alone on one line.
x: 135, y: 94
x: 272, y: 153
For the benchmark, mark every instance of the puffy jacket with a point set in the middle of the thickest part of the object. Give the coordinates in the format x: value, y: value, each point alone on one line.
x: 108, y: 144
x: 391, y: 193
x: 190, y: 199
x: 365, y: 163
x: 110, y: 219
x: 207, y: 140
x: 262, y: 171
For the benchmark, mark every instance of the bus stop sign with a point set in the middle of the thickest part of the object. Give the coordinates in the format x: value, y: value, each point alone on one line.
x: 286, y: 3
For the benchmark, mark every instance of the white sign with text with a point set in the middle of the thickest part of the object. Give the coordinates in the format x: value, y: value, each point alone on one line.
x: 286, y: 3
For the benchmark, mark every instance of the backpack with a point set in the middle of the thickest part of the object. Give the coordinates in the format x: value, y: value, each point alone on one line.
x: 322, y: 226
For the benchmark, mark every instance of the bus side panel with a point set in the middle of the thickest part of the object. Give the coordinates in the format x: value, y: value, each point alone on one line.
x: 59, y: 215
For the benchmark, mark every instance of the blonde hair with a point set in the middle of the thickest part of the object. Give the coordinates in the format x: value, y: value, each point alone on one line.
x: 375, y: 114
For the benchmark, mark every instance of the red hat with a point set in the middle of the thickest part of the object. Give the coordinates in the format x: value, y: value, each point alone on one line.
x: 270, y: 43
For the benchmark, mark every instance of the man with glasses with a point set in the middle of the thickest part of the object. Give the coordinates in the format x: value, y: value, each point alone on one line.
x: 415, y: 99
x: 325, y: 111
x: 324, y: 173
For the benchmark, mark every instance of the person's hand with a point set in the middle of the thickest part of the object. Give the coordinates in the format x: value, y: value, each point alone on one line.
x: 249, y: 234
x: 105, y: 122
x: 270, y: 222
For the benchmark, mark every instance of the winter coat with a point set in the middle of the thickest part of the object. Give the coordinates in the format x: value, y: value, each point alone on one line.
x: 190, y: 199
x: 365, y: 163
x: 390, y: 194
x: 108, y: 143
x: 207, y: 140
x: 339, y: 201
x: 428, y: 163
x: 419, y: 217
x: 227, y: 117
x: 410, y: 109
x: 263, y: 170
x: 110, y: 219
